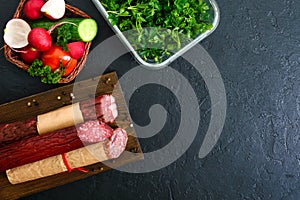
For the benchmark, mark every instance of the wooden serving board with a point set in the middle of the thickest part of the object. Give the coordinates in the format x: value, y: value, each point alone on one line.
x: 54, y: 99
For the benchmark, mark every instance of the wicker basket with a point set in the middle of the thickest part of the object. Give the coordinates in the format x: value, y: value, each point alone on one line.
x: 14, y: 58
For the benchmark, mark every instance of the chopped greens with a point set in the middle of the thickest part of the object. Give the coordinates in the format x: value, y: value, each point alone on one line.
x: 172, y: 22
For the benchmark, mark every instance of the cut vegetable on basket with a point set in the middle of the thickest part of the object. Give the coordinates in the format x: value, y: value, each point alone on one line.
x: 16, y: 33
x: 45, y: 27
x: 54, y: 9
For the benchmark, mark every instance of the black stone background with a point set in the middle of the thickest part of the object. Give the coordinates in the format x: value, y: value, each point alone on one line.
x: 256, y: 48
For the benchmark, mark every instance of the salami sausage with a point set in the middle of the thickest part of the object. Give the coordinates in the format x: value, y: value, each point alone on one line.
x: 102, y: 108
x: 108, y: 149
x: 17, y: 130
x: 39, y: 147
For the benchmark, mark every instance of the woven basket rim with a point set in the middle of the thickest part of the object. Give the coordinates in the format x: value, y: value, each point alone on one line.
x: 13, y: 57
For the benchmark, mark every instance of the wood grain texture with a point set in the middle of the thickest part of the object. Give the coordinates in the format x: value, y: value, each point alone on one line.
x: 48, y: 101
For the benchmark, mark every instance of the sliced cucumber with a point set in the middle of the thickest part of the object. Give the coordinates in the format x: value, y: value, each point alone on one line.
x: 87, y: 30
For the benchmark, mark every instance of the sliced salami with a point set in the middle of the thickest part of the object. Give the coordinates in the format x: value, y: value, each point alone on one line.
x: 89, y: 132
x: 116, y: 144
x: 108, y: 109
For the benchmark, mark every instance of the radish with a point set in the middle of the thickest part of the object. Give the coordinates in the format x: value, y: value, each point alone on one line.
x: 16, y: 33
x: 76, y: 49
x: 54, y: 9
x: 29, y: 54
x: 40, y: 39
x: 32, y: 9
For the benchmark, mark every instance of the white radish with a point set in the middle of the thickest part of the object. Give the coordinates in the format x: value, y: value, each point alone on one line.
x: 54, y: 9
x: 16, y: 33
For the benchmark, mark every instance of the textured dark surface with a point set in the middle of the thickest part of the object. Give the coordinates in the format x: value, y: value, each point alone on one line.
x: 256, y: 48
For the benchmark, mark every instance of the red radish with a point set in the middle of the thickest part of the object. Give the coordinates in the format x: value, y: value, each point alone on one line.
x: 40, y: 39
x: 29, y: 54
x: 32, y: 9
x: 76, y: 49
x: 54, y: 9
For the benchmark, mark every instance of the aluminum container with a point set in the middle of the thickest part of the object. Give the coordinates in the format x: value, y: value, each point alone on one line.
x: 216, y: 18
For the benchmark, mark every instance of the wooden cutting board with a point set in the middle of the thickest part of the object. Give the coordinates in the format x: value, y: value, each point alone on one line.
x: 54, y: 99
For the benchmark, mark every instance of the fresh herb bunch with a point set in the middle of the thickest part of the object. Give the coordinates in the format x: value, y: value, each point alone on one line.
x: 172, y: 22
x: 38, y: 69
x: 64, y: 35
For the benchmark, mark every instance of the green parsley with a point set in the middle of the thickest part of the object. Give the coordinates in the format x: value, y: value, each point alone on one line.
x: 44, y: 72
x: 64, y: 35
x: 173, y: 23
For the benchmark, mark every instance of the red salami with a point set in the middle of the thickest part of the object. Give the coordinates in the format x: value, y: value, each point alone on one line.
x: 39, y: 147
x: 116, y: 144
x: 102, y: 108
x: 17, y: 131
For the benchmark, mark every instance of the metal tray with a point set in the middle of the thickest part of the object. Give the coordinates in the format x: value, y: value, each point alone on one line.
x: 215, y: 23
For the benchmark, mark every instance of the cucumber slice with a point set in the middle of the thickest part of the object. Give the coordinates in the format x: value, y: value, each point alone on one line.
x: 87, y: 30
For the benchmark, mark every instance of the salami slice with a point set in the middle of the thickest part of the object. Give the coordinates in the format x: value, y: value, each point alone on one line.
x: 116, y: 144
x: 88, y: 132
x: 108, y: 110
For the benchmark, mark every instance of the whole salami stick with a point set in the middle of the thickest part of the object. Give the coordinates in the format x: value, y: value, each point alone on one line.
x: 39, y: 147
x: 17, y: 130
x: 74, y: 160
x: 102, y: 108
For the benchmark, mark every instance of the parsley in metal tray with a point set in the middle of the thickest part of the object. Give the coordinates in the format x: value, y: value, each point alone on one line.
x: 172, y: 22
